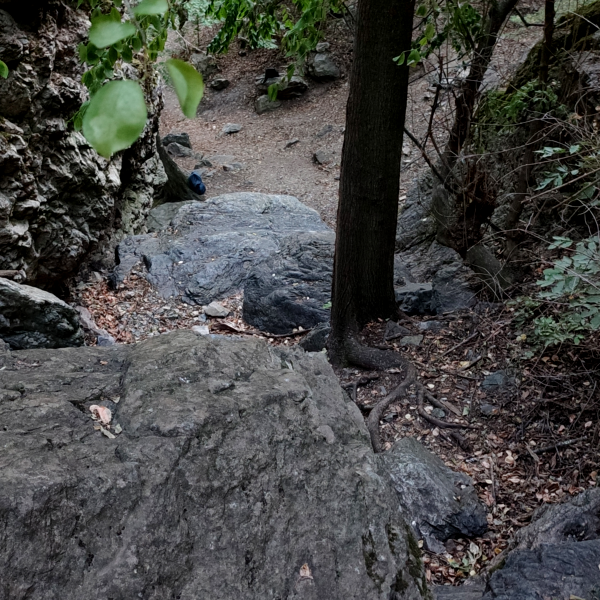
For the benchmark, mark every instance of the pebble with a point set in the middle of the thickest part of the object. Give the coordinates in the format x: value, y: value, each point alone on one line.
x: 230, y: 128
x: 214, y: 309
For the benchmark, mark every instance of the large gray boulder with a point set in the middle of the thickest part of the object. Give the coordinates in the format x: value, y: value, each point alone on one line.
x: 442, y: 503
x: 237, y: 464
x: 321, y: 66
x: 231, y: 243
x: 33, y: 318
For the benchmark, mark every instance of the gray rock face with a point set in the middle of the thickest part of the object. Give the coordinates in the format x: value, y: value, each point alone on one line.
x: 291, y: 288
x: 59, y: 200
x: 236, y: 465
x: 562, y: 571
x: 320, y: 66
x: 442, y: 503
x: 33, y: 318
x: 219, y: 243
x: 316, y: 340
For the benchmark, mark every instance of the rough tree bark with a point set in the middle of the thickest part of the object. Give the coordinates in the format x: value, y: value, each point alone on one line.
x: 369, y: 180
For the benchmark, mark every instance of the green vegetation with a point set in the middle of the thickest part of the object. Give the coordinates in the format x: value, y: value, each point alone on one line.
x: 568, y: 308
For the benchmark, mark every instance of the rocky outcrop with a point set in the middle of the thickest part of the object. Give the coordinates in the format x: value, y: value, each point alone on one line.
x: 236, y: 465
x: 443, y: 504
x: 59, y: 200
x: 33, y: 318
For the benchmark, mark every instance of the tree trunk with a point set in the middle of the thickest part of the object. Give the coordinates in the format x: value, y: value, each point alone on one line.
x: 370, y: 173
x: 549, y: 14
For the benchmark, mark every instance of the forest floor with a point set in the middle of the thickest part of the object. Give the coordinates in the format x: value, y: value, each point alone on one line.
x: 531, y: 440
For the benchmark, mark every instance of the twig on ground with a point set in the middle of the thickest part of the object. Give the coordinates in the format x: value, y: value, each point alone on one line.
x: 465, y: 341
x: 558, y: 445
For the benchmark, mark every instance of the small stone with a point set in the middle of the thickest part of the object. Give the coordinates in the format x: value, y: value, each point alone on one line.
x: 105, y: 340
x: 235, y: 166
x: 496, y: 381
x: 435, y: 326
x: 230, y: 128
x: 324, y: 131
x: 488, y: 410
x: 219, y: 83
x: 438, y: 413
x: 181, y: 138
x: 175, y: 149
x: 214, y: 309
x: 263, y: 104
x: 321, y: 67
x: 393, y: 330
x: 322, y: 47
x: 322, y: 157
x: 291, y: 143
x: 411, y: 340
x: 201, y: 329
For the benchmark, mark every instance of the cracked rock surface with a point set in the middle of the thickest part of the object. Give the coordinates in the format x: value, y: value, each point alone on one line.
x: 236, y: 465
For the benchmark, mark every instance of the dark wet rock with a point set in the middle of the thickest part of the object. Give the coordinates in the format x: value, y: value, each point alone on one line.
x: 316, y: 340
x: 219, y: 83
x: 214, y: 247
x: 181, y: 138
x: 441, y: 502
x: 218, y: 487
x: 160, y: 217
x: 33, y: 318
x: 179, y: 151
x: 573, y: 521
x: 452, y: 289
x: 415, y: 298
x: 292, y: 287
x: 294, y: 87
x: 557, y: 571
x: 415, y: 222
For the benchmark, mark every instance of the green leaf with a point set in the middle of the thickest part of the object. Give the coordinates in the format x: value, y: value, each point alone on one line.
x: 3, y: 70
x: 151, y: 7
x: 105, y: 31
x: 115, y: 117
x: 414, y: 57
x: 188, y: 84
x: 422, y: 10
x: 401, y: 58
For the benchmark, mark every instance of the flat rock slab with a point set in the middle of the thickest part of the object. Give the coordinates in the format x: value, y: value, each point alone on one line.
x: 33, y: 318
x: 556, y: 571
x: 236, y: 465
x: 442, y: 502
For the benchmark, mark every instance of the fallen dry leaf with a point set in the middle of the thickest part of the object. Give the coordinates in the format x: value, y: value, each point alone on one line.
x: 102, y: 413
